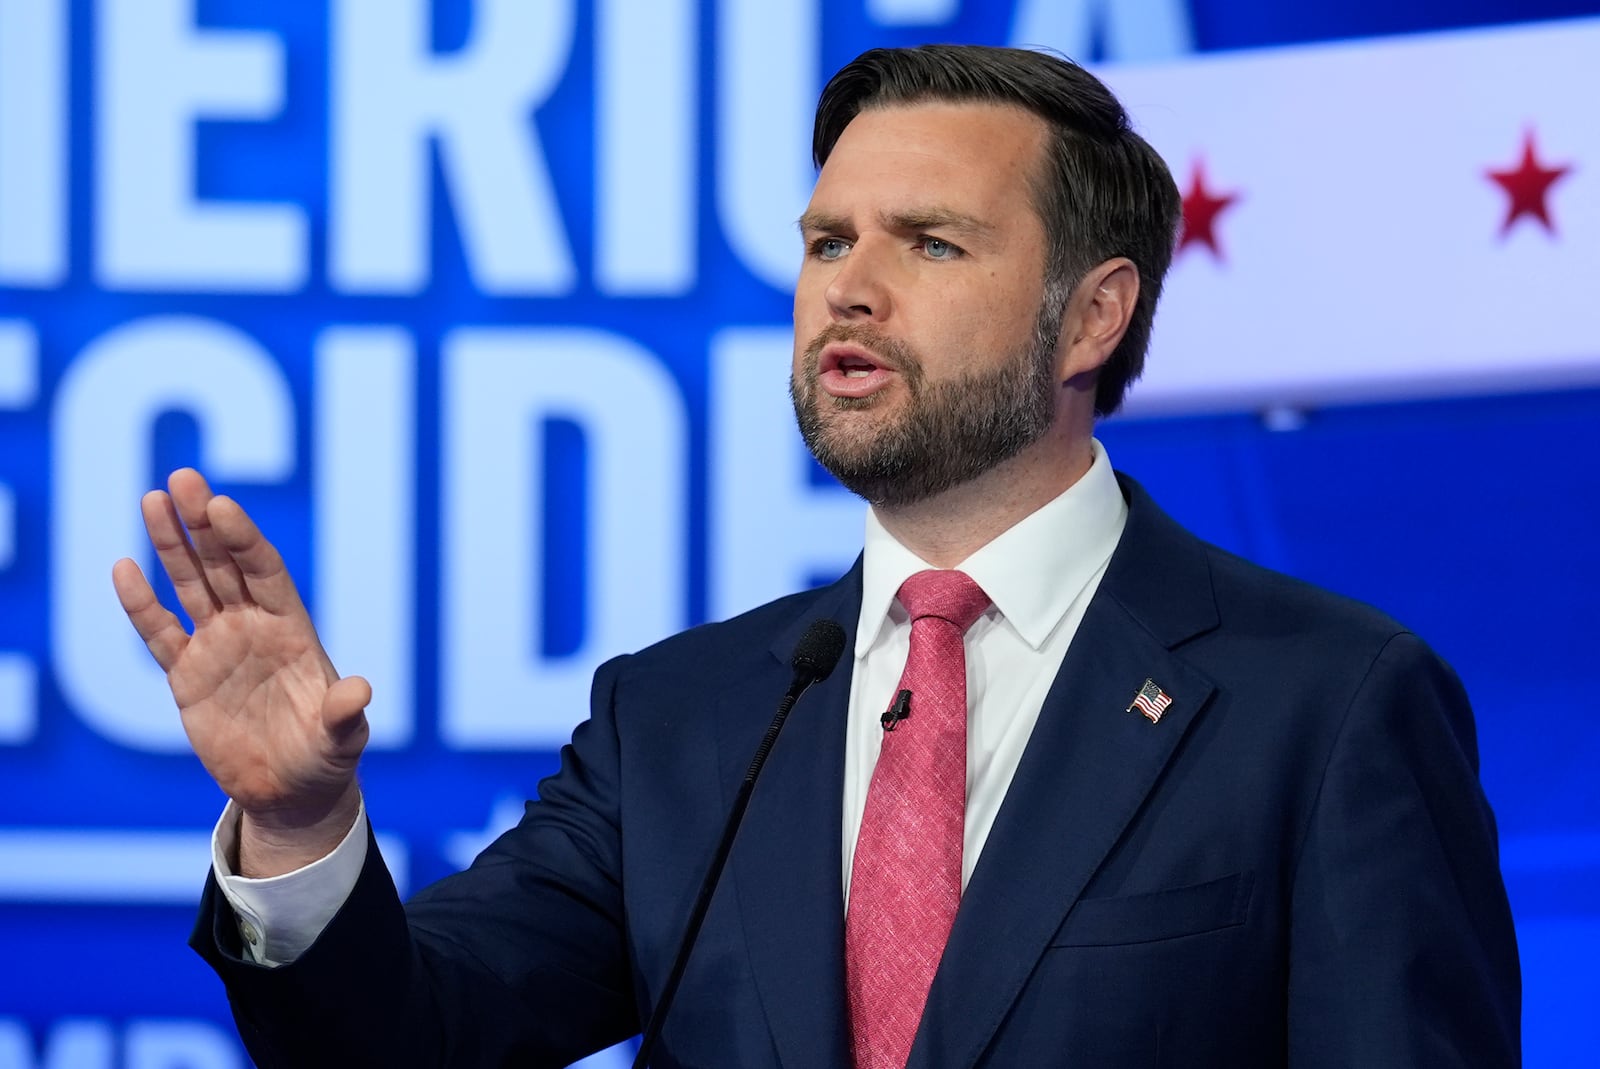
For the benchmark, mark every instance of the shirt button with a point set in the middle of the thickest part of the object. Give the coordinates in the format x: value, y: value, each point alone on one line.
x: 249, y: 932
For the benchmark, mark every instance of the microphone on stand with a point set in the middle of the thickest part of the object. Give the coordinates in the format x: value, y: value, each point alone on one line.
x: 814, y: 656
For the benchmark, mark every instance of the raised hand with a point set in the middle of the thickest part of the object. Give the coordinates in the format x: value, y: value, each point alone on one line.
x: 264, y: 709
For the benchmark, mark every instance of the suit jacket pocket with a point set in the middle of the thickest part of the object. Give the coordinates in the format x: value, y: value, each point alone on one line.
x: 1147, y: 918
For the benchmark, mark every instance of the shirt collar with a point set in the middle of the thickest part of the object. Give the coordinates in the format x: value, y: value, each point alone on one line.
x: 1032, y: 572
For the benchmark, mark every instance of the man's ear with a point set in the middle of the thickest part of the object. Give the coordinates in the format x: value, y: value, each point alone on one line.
x: 1097, y: 316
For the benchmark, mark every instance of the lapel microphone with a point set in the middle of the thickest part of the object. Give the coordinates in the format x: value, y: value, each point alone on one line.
x: 898, y: 710
x: 814, y: 657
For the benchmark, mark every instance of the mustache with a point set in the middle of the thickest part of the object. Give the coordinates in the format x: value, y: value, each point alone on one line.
x: 890, y: 352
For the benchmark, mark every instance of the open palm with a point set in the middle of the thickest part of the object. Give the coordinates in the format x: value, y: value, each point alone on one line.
x: 262, y: 705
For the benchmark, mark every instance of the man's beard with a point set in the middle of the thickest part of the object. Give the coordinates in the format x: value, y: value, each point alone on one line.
x: 950, y: 433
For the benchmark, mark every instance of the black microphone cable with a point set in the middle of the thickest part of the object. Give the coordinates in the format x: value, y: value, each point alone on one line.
x: 814, y: 657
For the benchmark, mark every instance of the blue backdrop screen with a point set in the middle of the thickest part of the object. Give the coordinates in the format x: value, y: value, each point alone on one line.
x: 482, y: 309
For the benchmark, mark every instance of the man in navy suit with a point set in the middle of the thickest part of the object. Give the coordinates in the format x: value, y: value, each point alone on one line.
x: 1210, y: 816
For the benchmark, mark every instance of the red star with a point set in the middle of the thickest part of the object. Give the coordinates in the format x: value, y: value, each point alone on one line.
x: 1201, y: 208
x: 1527, y: 185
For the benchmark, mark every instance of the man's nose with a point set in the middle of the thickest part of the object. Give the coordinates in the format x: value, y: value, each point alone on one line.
x: 859, y: 288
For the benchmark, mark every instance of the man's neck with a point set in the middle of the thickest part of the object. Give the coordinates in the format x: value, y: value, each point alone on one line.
x: 947, y: 529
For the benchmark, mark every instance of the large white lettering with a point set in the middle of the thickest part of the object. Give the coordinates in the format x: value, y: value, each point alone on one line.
x: 767, y: 56
x: 72, y: 1044
x: 104, y: 409
x: 498, y: 688
x: 33, y: 143
x: 156, y: 78
x: 364, y: 540
x: 645, y: 147
x: 91, y: 1043
x: 19, y: 388
x: 911, y: 12
x: 180, y: 1045
x: 771, y: 531
x: 8, y: 527
x: 19, y: 364
x: 393, y: 98
x: 1141, y: 30
x: 19, y: 698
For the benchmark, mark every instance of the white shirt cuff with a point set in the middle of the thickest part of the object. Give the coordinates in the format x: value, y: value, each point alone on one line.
x: 279, y: 917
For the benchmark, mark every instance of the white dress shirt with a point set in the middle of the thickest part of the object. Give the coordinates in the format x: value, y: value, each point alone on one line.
x: 1039, y: 575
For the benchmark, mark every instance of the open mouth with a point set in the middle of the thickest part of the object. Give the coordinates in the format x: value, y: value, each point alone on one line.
x: 852, y: 366
x: 851, y: 371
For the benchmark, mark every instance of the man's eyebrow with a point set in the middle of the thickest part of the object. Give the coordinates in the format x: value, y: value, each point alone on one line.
x: 911, y: 220
x: 823, y: 222
x: 935, y: 219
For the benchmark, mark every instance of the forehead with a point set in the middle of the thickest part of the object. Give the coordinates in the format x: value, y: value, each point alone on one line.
x: 986, y: 155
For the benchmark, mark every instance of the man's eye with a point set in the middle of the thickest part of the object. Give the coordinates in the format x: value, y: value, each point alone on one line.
x: 828, y: 248
x: 938, y: 249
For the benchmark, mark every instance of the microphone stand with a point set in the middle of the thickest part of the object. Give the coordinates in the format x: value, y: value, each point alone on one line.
x: 808, y: 671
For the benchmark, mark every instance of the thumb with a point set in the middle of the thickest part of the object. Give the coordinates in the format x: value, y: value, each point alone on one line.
x: 343, y: 711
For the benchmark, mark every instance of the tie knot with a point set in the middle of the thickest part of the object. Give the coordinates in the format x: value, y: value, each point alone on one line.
x: 949, y: 595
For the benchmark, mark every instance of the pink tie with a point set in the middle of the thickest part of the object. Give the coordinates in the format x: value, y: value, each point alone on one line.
x: 905, y: 879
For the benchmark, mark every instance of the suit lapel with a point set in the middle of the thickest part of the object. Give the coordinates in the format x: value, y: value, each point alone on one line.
x: 786, y: 862
x: 1084, y: 775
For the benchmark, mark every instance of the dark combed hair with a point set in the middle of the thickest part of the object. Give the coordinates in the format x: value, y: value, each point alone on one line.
x: 1103, y: 192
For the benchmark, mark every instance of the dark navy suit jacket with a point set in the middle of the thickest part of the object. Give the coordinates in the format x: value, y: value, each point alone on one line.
x: 1294, y: 866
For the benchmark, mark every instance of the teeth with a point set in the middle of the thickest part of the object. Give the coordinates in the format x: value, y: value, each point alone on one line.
x: 856, y: 373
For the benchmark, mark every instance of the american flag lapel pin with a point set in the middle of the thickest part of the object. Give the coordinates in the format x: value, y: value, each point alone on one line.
x: 1151, y: 700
